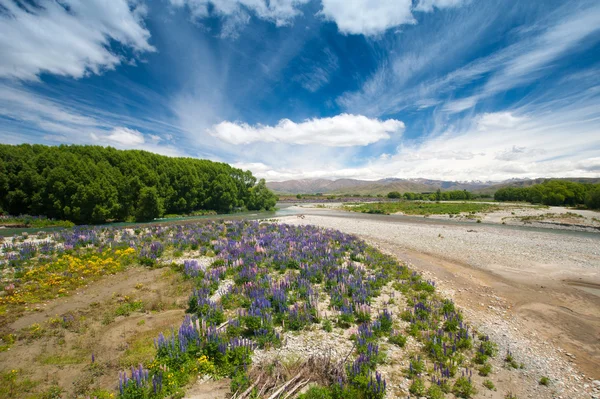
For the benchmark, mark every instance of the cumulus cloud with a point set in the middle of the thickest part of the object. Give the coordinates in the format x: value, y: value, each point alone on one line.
x: 126, y: 136
x: 343, y: 130
x: 69, y: 38
x: 510, y: 146
x: 367, y: 17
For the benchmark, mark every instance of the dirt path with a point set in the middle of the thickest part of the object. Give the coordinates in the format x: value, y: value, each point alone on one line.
x: 548, y: 312
x: 57, y: 354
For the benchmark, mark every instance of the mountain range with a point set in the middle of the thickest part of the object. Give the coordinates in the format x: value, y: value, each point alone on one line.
x: 384, y: 186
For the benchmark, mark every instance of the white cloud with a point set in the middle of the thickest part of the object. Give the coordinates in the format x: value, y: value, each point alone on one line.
x: 339, y: 131
x: 522, y: 143
x: 126, y: 136
x: 428, y: 5
x: 404, y: 79
x: 69, y: 38
x: 235, y: 13
x: 64, y: 122
x: 498, y: 120
x: 367, y: 17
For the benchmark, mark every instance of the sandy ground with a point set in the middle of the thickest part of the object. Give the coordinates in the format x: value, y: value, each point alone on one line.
x: 536, y: 293
x: 556, y: 217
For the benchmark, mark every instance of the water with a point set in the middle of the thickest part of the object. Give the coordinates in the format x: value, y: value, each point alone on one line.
x: 290, y: 209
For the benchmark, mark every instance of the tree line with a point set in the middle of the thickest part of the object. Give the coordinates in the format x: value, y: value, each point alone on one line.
x: 554, y: 192
x: 439, y: 195
x: 94, y: 184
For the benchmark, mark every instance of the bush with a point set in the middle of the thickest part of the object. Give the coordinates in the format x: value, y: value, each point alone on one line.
x: 489, y: 385
x: 417, y: 387
x: 485, y: 370
x: 463, y: 388
x: 545, y: 381
x: 394, y: 194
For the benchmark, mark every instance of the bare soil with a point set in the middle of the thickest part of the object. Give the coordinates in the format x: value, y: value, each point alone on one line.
x: 72, y: 329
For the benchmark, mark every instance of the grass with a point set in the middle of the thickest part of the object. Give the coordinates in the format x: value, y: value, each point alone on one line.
x: 62, y: 360
x: 40, y: 280
x: 128, y: 307
x: 141, y: 350
x: 33, y: 222
x: 423, y: 208
x: 489, y: 385
x: 545, y: 381
x: 13, y: 384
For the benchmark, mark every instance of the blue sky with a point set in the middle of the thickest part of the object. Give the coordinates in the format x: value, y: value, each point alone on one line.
x: 442, y: 89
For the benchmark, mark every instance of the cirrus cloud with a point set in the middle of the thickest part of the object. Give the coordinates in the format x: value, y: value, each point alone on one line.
x: 69, y: 38
x: 344, y: 130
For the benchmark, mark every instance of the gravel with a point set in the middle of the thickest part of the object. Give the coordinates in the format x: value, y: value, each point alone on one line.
x: 557, y: 254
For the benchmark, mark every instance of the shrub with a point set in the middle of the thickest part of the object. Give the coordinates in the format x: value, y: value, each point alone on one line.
x: 417, y: 387
x: 545, y: 381
x: 485, y: 370
x: 397, y: 339
x: 489, y: 385
x: 327, y: 325
x: 463, y: 388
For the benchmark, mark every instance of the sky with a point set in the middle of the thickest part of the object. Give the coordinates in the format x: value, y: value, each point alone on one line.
x: 290, y: 89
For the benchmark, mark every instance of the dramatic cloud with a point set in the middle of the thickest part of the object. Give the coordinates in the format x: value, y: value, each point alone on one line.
x: 68, y: 38
x: 339, y: 131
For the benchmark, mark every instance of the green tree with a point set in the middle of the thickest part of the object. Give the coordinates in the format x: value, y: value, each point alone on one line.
x: 394, y: 194
x: 261, y: 197
x: 149, y: 205
x: 592, y: 200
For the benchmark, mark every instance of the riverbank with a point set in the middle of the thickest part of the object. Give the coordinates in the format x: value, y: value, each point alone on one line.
x: 535, y: 293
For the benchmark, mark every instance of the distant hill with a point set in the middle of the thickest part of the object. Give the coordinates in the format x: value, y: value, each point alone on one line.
x: 384, y: 186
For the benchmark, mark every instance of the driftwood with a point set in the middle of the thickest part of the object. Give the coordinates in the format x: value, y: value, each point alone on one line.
x: 295, y: 388
x: 247, y: 391
x: 284, y: 386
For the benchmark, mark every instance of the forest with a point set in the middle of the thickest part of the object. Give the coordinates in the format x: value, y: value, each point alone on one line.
x: 554, y: 192
x: 93, y: 184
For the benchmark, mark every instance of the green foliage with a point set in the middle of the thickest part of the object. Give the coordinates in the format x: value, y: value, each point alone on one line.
x: 463, y: 388
x: 93, y: 184
x: 422, y: 208
x: 128, y: 307
x: 489, y: 385
x: 592, y: 199
x: 316, y: 392
x: 554, y: 192
x: 149, y: 205
x: 545, y: 381
x: 417, y: 387
x: 327, y: 327
x: 394, y: 194
x: 435, y: 392
x: 485, y: 370
x: 397, y: 339
x: 33, y: 221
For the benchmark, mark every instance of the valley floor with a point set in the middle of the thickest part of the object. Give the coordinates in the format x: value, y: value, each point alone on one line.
x: 537, y: 293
